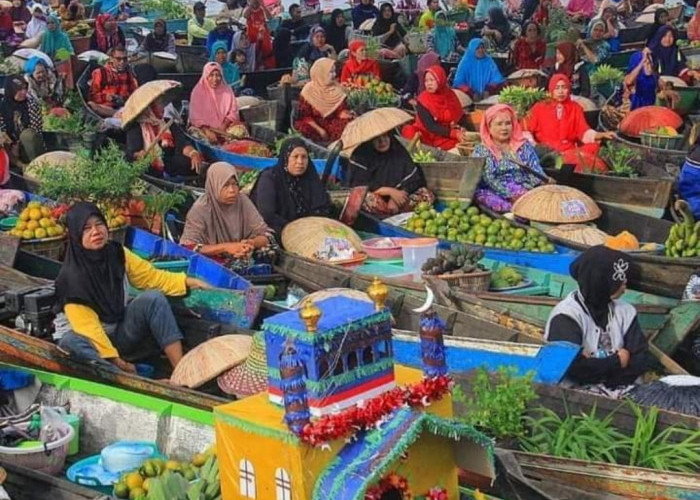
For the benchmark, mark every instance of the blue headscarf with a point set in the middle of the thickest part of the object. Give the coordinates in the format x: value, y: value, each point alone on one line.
x: 53, y: 41
x: 30, y: 65
x: 475, y: 73
x: 644, y: 86
x: 231, y: 72
x: 484, y: 6
x: 444, y: 36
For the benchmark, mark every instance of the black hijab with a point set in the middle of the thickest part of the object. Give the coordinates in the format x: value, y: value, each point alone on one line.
x: 283, y: 49
x: 335, y: 35
x: 382, y: 26
x: 599, y: 272
x: 15, y: 114
x: 296, y: 196
x: 93, y: 278
x: 157, y: 43
x: 395, y: 168
x: 657, y: 25
x: 499, y: 21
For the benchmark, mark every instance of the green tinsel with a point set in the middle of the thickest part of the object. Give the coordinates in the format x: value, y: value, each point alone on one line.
x: 253, y: 428
x: 330, y: 383
x: 327, y: 335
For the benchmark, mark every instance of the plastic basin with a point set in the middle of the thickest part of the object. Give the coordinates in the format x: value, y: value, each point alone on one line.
x: 417, y: 251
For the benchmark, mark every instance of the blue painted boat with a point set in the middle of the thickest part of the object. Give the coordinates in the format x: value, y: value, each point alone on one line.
x: 557, y: 262
x: 548, y: 362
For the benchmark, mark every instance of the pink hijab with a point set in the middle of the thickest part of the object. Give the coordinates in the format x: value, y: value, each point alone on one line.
x: 517, y: 139
x: 211, y: 107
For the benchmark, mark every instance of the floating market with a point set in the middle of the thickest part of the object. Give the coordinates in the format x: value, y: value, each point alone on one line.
x: 364, y: 250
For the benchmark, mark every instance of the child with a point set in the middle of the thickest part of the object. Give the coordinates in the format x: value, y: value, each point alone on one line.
x: 240, y: 60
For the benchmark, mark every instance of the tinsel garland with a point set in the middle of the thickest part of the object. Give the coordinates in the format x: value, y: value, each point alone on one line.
x: 374, y: 411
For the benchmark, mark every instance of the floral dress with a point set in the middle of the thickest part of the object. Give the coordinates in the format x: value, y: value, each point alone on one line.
x: 504, y: 181
x: 333, y: 124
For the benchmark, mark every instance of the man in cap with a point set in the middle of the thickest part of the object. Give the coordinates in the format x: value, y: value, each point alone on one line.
x: 198, y: 27
x: 111, y: 85
x: 222, y: 32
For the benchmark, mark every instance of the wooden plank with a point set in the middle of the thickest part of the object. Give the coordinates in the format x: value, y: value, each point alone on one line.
x: 453, y: 179
x: 553, y: 301
x: 26, y: 484
x: 9, y: 245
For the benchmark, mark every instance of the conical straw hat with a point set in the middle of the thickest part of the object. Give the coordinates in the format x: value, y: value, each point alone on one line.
x: 306, y: 236
x: 320, y: 295
x: 525, y: 73
x: 371, y: 125
x: 58, y: 159
x: 556, y: 204
x: 582, y: 234
x: 143, y: 97
x: 584, y: 102
x: 250, y: 377
x: 247, y: 101
x: 464, y: 99
x: 210, y: 359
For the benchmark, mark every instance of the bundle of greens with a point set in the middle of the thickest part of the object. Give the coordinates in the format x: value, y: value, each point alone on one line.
x: 560, y: 26
x: 621, y: 160
x: 606, y: 74
x: 521, y: 99
x: 168, y: 9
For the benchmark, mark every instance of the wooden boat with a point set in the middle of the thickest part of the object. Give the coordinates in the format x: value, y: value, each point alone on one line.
x: 649, y: 194
x: 172, y: 25
x: 634, y: 32
x: 629, y: 482
x: 192, y: 58
x: 689, y: 100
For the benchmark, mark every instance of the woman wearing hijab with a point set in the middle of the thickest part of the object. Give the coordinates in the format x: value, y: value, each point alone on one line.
x: 7, y: 29
x: 213, y: 105
x: 173, y: 153
x: 107, y: 34
x: 284, y: 57
x: 580, y: 10
x: 159, y: 40
x: 337, y: 31
x: 510, y: 160
x: 641, y: 80
x: 71, y: 13
x: 316, y: 47
x: 661, y: 19
x: 497, y: 30
x: 689, y: 180
x: 323, y: 112
x: 566, y: 63
x: 614, y: 349
x: 416, y: 82
x: 55, y: 39
x: 668, y: 58
x: 291, y: 189
x: 477, y: 73
x: 20, y: 14
x: 42, y: 83
x: 484, y: 6
x: 443, y: 37
x: 224, y: 220
x: 440, y: 120
x: 257, y: 15
x: 693, y: 26
x: 359, y: 64
x: 362, y: 12
x: 390, y: 32
x: 242, y: 42
x: 396, y: 184
x: 103, y: 324
x: 596, y: 49
x: 612, y: 27
x: 230, y: 71
x: 37, y: 25
x: 21, y: 121
x: 560, y: 124
x: 530, y: 49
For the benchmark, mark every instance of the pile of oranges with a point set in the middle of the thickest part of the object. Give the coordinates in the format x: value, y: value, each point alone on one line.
x: 36, y: 222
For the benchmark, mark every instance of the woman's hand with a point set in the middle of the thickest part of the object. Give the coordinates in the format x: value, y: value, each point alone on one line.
x: 239, y: 249
x: 197, y: 284
x: 392, y: 28
x: 123, y: 365
x: 320, y: 131
x: 346, y: 115
x: 196, y: 161
x: 139, y: 155
x: 599, y: 136
x: 624, y: 356
x: 210, y: 135
x: 399, y: 197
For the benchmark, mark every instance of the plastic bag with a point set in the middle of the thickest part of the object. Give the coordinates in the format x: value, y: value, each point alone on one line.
x: 53, y: 427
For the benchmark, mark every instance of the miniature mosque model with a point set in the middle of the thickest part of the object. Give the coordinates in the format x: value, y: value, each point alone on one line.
x: 340, y: 420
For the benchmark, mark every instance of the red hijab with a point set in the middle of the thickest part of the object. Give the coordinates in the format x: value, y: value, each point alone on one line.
x: 104, y: 39
x: 443, y: 104
x: 355, y: 67
x: 559, y: 77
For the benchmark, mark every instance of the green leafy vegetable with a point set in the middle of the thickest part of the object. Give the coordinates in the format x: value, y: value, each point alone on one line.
x: 621, y: 160
x: 606, y: 74
x: 522, y: 99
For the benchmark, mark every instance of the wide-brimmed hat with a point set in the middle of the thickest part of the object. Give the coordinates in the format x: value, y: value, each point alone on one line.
x: 370, y: 126
x: 144, y: 96
x: 250, y: 377
x: 556, y: 204
x: 210, y: 359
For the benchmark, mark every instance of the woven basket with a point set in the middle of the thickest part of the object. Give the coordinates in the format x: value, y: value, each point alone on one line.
x: 579, y: 233
x: 671, y: 142
x: 118, y: 234
x: 556, y: 204
x: 417, y: 42
x: 471, y: 283
x: 306, y: 236
x: 51, y: 248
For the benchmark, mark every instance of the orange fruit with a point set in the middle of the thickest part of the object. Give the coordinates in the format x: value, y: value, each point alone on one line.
x: 45, y: 211
x: 40, y: 233
x: 34, y: 213
x: 133, y: 481
x: 45, y: 222
x: 32, y: 225
x: 28, y: 235
x: 24, y: 215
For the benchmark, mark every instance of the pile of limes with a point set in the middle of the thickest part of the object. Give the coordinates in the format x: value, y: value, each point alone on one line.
x: 36, y: 222
x: 467, y: 225
x: 135, y: 485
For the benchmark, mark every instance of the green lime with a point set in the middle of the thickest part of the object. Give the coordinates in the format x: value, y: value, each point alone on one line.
x: 480, y: 238
x: 472, y: 211
x: 447, y: 213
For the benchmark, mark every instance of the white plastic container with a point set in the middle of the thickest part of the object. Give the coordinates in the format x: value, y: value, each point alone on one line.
x: 416, y: 251
x: 48, y: 459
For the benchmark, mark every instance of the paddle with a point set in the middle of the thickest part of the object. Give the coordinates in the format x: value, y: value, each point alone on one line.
x: 332, y: 156
x: 167, y: 126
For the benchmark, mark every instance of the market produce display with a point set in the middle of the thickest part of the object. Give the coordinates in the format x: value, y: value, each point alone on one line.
x: 422, y: 156
x: 79, y: 30
x: 506, y: 277
x: 457, y: 260
x: 37, y: 221
x: 366, y: 93
x: 684, y: 237
x: 606, y: 74
x: 468, y: 225
x: 522, y: 99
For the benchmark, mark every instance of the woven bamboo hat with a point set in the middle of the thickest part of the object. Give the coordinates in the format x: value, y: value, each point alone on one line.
x: 320, y: 295
x: 248, y: 101
x: 677, y: 82
x: 307, y: 235
x: 144, y: 96
x: 464, y: 99
x: 250, y: 377
x: 58, y: 159
x: 556, y: 204
x: 526, y: 73
x: 584, y: 102
x: 371, y: 125
x: 582, y: 234
x: 210, y: 359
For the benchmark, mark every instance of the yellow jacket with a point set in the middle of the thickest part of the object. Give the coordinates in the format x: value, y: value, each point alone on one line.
x: 142, y: 275
x: 194, y: 30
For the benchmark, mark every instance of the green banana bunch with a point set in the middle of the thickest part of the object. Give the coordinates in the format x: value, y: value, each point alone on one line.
x: 684, y: 237
x: 422, y: 156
